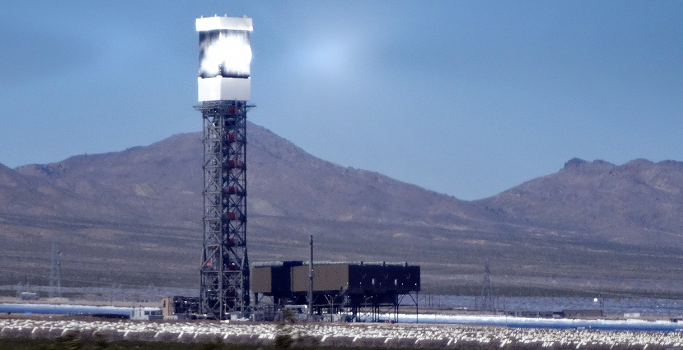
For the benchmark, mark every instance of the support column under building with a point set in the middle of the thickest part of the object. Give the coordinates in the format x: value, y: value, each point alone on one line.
x: 224, y: 285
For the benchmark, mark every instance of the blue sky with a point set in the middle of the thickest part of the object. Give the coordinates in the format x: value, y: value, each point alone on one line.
x: 467, y: 98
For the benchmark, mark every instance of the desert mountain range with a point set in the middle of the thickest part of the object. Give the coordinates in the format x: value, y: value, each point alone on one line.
x: 134, y: 218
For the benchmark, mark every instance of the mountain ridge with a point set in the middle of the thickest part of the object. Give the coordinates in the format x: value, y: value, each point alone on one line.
x: 135, y: 216
x: 634, y: 197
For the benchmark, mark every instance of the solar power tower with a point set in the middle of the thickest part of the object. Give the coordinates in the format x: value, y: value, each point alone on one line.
x: 224, y: 84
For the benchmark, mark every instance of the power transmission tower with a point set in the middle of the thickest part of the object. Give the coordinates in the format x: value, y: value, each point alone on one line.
x: 487, y: 290
x: 55, y: 272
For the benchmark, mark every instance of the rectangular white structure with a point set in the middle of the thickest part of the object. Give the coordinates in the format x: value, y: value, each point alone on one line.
x: 224, y: 58
x: 219, y: 88
x: 231, y: 23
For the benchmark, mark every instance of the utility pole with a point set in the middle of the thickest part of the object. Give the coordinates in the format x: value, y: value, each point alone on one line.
x: 310, y: 282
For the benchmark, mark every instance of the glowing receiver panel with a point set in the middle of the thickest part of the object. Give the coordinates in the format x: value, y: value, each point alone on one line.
x: 224, y: 58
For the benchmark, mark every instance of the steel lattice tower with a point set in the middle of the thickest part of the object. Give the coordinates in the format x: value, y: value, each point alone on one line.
x: 224, y: 87
x: 55, y: 272
x: 487, y: 291
x: 224, y: 287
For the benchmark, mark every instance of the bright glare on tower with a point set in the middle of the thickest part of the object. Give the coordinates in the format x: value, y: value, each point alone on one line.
x: 224, y: 58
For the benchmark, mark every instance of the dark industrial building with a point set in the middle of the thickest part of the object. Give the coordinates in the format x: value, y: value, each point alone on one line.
x: 374, y: 288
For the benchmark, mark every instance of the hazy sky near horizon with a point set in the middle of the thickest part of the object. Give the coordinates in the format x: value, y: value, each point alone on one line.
x: 467, y: 98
